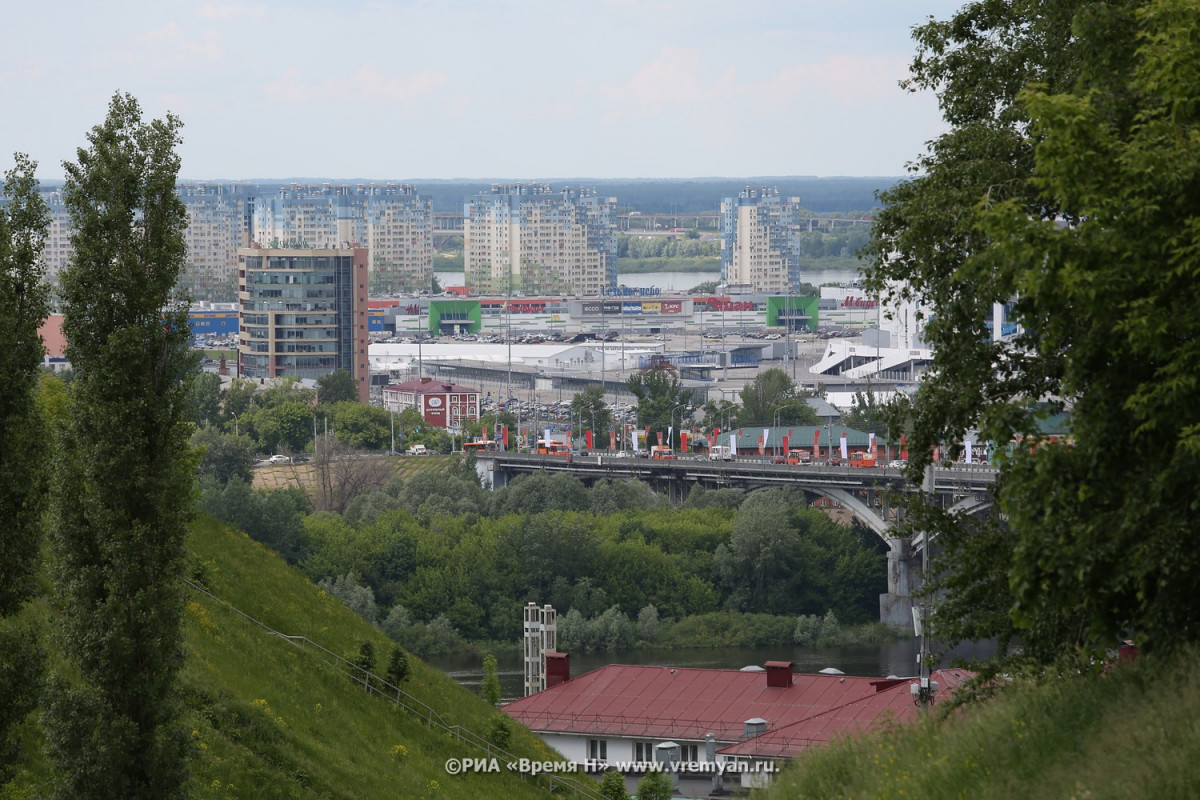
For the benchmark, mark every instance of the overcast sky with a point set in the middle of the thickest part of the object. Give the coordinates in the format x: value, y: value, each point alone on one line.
x: 517, y: 89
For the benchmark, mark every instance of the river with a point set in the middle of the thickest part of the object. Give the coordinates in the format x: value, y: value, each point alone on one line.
x: 674, y: 282
x: 891, y: 658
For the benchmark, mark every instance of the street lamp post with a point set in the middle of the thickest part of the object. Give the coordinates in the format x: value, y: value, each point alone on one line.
x: 671, y: 444
x: 235, y: 422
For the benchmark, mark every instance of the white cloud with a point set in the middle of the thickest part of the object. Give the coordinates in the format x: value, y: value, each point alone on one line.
x: 368, y: 85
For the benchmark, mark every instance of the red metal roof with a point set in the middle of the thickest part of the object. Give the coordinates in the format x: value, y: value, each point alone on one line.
x: 685, y: 704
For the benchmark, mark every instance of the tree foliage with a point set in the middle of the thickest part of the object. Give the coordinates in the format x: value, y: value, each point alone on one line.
x: 661, y: 399
x: 591, y: 413
x: 24, y: 303
x: 771, y: 397
x: 655, y: 785
x: 336, y: 387
x: 1066, y: 187
x: 224, y: 456
x: 490, y: 689
x: 123, y: 479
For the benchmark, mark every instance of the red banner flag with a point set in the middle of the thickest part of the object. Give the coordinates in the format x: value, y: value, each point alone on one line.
x: 903, y: 448
x: 762, y: 447
x: 504, y: 434
x: 660, y: 438
x: 612, y: 439
x: 716, y: 433
x: 588, y: 439
x: 683, y: 437
x: 787, y: 440
x: 816, y: 444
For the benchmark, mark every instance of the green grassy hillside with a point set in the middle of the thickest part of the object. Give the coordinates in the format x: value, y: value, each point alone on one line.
x: 1131, y: 733
x: 272, y: 717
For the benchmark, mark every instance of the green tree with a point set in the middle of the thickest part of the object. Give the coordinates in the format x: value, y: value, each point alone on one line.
x: 204, y: 400
x: 655, y: 785
x: 224, y: 456
x: 772, y: 392
x: 360, y: 426
x: 722, y: 414
x: 364, y: 663
x: 612, y: 786
x: 398, y: 668
x: 661, y: 399
x: 24, y: 302
x: 1117, y: 156
x: 23, y: 306
x: 283, y: 426
x: 122, y: 493
x: 591, y: 413
x: 540, y: 491
x: 336, y: 387
x: 1065, y: 187
x: 236, y: 400
x: 490, y: 689
x: 867, y: 414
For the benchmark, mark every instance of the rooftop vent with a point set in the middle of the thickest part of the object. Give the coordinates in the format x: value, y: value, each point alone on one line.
x: 753, y: 727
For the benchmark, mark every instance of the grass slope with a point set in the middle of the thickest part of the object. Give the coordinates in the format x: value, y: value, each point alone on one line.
x: 1131, y: 733
x: 272, y: 718
x: 303, y: 476
x: 278, y: 720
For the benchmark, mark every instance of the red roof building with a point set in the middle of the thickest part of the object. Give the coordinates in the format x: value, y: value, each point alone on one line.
x: 442, y: 405
x: 619, y: 713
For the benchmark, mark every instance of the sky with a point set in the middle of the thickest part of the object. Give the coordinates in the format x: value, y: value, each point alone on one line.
x: 478, y: 89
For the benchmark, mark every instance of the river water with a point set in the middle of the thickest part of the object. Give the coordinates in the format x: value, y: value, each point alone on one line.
x: 891, y: 658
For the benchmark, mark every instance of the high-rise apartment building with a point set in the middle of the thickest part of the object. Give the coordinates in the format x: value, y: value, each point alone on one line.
x: 391, y: 221
x: 533, y: 240
x: 216, y: 230
x: 58, y: 249
x: 303, y: 313
x: 759, y: 249
x: 398, y: 233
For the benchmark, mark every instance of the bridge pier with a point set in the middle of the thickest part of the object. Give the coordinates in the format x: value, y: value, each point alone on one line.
x: 895, y: 606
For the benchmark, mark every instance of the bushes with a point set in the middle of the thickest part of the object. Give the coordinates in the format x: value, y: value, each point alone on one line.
x: 609, y: 631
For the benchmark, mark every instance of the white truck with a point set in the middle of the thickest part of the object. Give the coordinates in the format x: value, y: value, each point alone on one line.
x: 719, y: 453
x: 418, y: 450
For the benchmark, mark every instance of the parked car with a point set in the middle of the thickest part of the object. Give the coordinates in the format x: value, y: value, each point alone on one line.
x: 278, y: 459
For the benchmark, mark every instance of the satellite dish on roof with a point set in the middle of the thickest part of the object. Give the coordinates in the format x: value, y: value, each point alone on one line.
x: 832, y: 671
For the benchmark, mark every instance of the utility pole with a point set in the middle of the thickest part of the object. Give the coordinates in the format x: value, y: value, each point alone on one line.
x: 924, y: 690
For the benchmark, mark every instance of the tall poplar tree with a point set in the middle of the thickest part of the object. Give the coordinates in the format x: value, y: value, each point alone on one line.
x: 122, y: 485
x: 23, y: 305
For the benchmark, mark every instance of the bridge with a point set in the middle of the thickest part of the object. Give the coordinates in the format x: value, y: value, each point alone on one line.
x: 873, y: 494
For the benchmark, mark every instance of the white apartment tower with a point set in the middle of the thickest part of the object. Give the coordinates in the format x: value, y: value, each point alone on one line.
x: 216, y: 229
x: 532, y: 240
x: 758, y: 241
x: 391, y: 221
